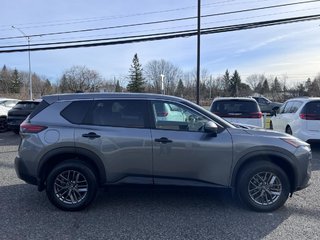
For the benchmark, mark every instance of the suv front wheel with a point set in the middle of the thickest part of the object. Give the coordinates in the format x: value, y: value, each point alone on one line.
x: 263, y: 186
x: 71, y: 185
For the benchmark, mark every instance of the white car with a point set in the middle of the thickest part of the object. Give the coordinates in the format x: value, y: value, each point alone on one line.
x: 238, y: 110
x: 5, y: 105
x: 299, y: 117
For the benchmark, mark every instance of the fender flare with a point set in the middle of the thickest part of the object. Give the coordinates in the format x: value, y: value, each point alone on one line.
x: 94, y: 158
x: 258, y: 154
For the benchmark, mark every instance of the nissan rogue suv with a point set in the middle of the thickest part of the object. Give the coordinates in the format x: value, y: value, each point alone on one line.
x: 72, y: 144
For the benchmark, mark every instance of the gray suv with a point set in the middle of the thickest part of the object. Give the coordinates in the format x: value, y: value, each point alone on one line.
x: 72, y: 144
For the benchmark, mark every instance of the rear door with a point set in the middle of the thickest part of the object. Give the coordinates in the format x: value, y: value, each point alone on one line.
x: 118, y: 132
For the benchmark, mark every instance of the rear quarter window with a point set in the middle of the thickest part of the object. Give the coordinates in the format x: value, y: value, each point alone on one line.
x: 312, y: 107
x: 76, y: 111
x: 42, y: 105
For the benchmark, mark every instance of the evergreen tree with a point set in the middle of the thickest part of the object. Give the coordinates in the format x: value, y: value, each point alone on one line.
x: 226, y: 82
x: 16, y: 82
x: 4, y: 80
x: 265, y: 87
x: 276, y: 86
x: 137, y: 82
x: 180, y: 89
x: 235, y: 83
x: 118, y: 87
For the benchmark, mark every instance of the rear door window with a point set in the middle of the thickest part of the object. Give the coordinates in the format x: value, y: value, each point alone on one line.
x: 118, y: 113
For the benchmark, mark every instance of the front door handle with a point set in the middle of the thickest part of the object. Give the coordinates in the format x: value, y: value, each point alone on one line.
x: 163, y: 140
x: 91, y: 135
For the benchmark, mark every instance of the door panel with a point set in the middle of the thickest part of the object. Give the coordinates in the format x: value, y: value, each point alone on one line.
x: 126, y: 152
x: 191, y: 158
x: 117, y: 130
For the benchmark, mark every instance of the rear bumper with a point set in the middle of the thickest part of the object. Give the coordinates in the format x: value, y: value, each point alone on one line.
x: 22, y: 172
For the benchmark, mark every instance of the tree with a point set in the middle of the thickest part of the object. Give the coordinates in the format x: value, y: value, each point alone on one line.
x: 118, y: 87
x: 180, y: 89
x: 171, y: 73
x: 276, y: 89
x: 80, y: 78
x: 137, y: 82
x: 265, y: 87
x: 16, y: 82
x: 234, y: 84
x: 4, y: 80
x: 226, y: 83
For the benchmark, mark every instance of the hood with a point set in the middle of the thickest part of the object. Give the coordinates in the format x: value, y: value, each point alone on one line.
x: 263, y: 133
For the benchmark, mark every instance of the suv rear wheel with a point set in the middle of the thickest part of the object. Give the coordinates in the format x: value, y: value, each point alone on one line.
x: 71, y: 185
x: 263, y: 186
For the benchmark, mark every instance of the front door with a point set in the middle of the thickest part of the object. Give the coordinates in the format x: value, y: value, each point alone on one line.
x: 183, y: 154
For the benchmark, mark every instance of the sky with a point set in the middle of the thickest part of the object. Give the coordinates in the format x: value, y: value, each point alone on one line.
x: 290, y: 51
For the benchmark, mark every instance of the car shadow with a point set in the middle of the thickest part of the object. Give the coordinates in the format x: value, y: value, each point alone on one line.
x: 136, y: 213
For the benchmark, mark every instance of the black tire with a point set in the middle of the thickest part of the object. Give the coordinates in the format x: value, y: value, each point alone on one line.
x: 71, y: 185
x: 3, y: 124
x: 255, y: 189
x: 288, y: 130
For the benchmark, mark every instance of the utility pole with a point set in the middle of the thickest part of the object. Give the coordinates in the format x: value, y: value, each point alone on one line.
x: 30, y: 77
x: 198, y: 52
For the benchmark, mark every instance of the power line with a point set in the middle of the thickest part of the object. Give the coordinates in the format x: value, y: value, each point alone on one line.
x: 168, y: 35
x: 163, y: 21
x: 85, y: 20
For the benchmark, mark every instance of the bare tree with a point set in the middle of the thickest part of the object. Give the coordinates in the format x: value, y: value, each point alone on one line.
x: 80, y: 78
x: 255, y: 80
x: 172, y: 74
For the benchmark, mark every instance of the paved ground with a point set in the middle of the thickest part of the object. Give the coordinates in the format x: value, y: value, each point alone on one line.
x: 150, y: 213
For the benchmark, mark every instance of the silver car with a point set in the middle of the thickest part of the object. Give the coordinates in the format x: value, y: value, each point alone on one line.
x: 74, y: 143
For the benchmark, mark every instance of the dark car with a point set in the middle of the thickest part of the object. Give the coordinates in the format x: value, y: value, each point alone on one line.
x: 266, y: 105
x: 19, y: 113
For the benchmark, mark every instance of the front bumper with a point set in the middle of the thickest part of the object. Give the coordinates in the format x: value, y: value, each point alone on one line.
x: 304, y: 167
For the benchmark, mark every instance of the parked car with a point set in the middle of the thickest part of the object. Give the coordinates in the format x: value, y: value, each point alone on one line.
x: 19, y: 113
x: 74, y: 143
x: 266, y: 105
x: 299, y: 117
x: 238, y: 110
x: 5, y: 105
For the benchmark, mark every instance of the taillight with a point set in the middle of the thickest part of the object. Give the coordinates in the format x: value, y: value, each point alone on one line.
x: 26, y: 127
x: 255, y: 115
x: 309, y: 116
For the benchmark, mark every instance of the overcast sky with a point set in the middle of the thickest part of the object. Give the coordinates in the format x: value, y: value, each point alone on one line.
x: 291, y: 50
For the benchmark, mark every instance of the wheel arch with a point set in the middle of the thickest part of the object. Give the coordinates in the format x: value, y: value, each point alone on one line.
x: 57, y: 156
x: 279, y: 159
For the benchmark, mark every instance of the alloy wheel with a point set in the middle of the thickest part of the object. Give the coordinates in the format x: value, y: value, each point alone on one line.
x: 71, y: 187
x: 265, y: 188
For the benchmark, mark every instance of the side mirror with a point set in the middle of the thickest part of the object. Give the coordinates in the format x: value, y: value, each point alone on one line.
x: 273, y: 113
x: 211, y: 127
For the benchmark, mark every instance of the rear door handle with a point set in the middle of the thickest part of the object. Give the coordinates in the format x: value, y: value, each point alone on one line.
x: 91, y: 135
x: 163, y: 140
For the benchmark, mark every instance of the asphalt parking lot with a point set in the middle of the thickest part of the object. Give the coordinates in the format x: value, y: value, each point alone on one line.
x: 148, y: 213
